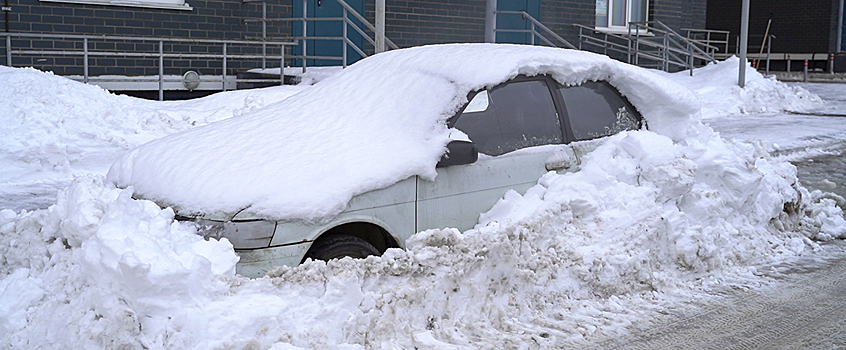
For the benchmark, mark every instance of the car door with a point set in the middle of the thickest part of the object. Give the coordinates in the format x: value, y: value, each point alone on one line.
x: 502, y: 122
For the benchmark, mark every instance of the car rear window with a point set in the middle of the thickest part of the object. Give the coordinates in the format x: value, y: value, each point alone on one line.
x: 595, y: 109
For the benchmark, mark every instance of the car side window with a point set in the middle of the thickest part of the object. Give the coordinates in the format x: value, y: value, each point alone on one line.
x: 596, y: 109
x: 510, y: 117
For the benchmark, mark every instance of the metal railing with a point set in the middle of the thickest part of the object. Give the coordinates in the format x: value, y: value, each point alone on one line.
x: 655, y: 41
x: 348, y: 20
x: 648, y: 44
x: 534, y: 24
x: 607, y: 43
x: 88, y: 53
x: 719, y: 39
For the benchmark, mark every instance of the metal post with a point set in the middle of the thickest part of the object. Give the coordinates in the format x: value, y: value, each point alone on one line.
x: 380, y: 26
x: 580, y: 39
x: 831, y: 64
x: 788, y: 63
x: 344, y: 47
x: 223, y: 81
x: 305, y: 33
x: 161, y: 70
x: 769, y: 49
x: 85, y: 60
x: 8, y: 50
x: 533, y: 34
x: 282, y: 65
x: 264, y: 34
x: 690, y: 52
x: 806, y: 71
x: 666, y: 54
x: 744, y: 41
x: 490, y: 22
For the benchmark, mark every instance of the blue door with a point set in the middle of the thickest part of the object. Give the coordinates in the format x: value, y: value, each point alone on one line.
x: 326, y: 9
x: 511, y: 21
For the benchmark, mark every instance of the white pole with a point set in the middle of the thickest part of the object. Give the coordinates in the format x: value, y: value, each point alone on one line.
x: 744, y: 40
x: 380, y: 26
x: 490, y: 22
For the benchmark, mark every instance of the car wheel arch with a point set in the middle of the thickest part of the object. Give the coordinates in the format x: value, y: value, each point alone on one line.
x: 372, y: 232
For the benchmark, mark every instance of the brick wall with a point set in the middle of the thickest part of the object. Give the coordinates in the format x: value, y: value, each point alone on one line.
x: 209, y: 19
x: 421, y: 22
x: 679, y: 14
x: 799, y: 26
x: 560, y: 15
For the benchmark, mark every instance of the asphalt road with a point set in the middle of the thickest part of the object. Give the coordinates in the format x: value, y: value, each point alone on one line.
x: 804, y: 308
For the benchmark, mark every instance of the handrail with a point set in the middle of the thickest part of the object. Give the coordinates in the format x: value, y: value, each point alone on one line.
x: 346, y: 20
x: 672, y: 33
x: 160, y: 54
x: 365, y: 21
x: 653, y: 41
x: 693, y: 32
x: 534, y: 33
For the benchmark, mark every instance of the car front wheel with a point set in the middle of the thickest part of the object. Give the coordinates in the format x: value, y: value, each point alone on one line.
x: 339, y: 246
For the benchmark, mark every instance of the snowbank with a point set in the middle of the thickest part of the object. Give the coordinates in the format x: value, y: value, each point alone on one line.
x: 378, y: 122
x: 717, y: 89
x: 641, y: 226
x: 54, y: 127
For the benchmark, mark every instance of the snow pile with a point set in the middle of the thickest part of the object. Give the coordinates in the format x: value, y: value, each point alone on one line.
x: 53, y: 126
x: 643, y: 223
x: 717, y: 89
x: 98, y: 269
x: 378, y: 122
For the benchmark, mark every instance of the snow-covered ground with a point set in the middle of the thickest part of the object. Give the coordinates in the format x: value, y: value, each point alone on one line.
x: 645, y: 226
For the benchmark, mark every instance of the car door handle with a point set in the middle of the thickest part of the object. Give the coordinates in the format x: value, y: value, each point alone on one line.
x: 558, y: 165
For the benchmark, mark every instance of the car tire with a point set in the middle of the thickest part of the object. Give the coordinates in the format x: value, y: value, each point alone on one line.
x: 339, y: 246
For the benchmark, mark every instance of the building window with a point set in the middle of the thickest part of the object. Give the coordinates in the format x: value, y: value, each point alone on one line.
x: 160, y: 4
x: 616, y: 14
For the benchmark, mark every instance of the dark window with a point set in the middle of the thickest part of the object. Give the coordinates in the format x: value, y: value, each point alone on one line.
x: 510, y: 117
x: 595, y: 109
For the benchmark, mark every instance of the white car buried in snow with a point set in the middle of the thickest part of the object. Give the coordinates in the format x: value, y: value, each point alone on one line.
x: 404, y: 141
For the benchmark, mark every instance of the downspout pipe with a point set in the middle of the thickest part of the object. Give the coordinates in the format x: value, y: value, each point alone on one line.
x: 7, y: 9
x: 839, y: 26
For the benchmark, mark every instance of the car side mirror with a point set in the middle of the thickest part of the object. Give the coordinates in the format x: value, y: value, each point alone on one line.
x: 458, y: 153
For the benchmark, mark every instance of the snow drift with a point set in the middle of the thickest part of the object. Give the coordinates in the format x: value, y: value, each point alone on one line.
x: 721, y: 96
x: 55, y: 127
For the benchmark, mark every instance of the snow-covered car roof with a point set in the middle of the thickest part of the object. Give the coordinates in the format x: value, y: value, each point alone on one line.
x: 379, y: 121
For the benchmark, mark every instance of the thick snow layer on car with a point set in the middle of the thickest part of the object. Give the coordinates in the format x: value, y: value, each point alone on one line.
x: 378, y: 122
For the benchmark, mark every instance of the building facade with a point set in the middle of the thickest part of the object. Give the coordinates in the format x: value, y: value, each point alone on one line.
x: 194, y: 30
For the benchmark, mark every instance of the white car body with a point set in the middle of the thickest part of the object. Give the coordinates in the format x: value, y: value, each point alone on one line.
x: 274, y: 190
